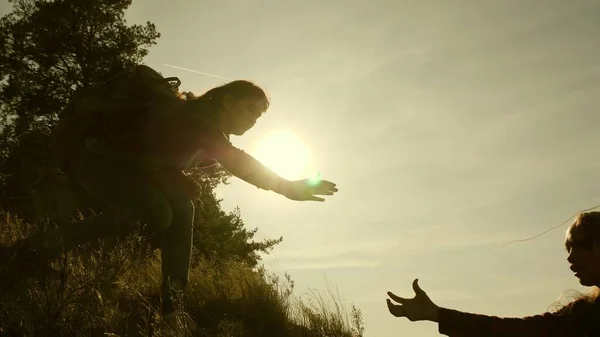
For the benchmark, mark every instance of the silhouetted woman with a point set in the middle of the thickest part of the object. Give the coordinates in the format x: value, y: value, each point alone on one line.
x: 143, y: 172
x: 580, y: 318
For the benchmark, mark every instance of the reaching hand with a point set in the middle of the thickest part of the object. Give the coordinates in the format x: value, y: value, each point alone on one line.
x: 308, y: 189
x: 418, y: 308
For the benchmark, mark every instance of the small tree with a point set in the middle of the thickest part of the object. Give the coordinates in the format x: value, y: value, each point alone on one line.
x: 48, y: 49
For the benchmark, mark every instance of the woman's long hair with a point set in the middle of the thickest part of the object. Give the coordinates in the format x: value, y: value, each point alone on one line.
x: 212, y: 100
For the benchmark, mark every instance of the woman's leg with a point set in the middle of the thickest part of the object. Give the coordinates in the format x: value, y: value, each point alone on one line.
x: 176, y: 253
x: 170, y: 218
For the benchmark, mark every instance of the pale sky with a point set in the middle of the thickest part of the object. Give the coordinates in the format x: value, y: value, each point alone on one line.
x: 450, y: 127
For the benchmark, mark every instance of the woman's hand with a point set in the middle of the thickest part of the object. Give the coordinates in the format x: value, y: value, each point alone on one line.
x: 308, y: 189
x: 418, y: 308
x: 247, y: 168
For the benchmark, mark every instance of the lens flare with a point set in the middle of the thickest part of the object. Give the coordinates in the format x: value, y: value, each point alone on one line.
x: 315, y: 179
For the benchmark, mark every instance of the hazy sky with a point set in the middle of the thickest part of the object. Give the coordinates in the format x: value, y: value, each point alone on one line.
x: 450, y: 127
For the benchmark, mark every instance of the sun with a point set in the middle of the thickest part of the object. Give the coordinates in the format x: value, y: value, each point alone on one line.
x: 284, y: 153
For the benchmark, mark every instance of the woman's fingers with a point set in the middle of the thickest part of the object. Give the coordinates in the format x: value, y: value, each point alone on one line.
x: 313, y: 198
x: 320, y: 191
x: 324, y: 190
x: 306, y: 190
x: 325, y: 185
x: 416, y: 287
x: 394, y: 309
x: 323, y: 193
x: 417, y: 308
x: 396, y: 297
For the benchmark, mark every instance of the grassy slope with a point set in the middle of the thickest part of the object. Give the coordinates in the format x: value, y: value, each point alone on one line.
x: 111, y: 288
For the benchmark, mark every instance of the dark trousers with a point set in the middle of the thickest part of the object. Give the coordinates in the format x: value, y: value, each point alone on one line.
x: 166, y: 215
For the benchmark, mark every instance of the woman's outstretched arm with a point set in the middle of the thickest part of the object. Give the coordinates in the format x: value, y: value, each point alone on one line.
x: 247, y: 168
x: 457, y: 323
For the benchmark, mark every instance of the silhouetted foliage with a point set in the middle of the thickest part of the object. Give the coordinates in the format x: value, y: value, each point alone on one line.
x: 48, y: 49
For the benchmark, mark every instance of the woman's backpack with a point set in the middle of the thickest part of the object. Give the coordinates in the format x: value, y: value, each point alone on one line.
x: 111, y: 110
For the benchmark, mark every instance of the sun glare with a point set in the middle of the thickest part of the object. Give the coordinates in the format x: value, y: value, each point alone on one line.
x: 283, y: 153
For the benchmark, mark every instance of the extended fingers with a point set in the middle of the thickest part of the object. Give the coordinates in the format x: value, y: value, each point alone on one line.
x: 325, y: 188
x: 396, y: 297
x: 327, y: 185
x: 313, y: 198
x: 318, y: 192
x: 394, y: 309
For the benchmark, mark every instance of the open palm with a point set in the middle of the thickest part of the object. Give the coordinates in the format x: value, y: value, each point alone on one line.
x: 418, y: 308
x: 309, y: 190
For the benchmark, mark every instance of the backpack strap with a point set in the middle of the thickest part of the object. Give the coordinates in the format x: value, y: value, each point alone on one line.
x: 173, y: 79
